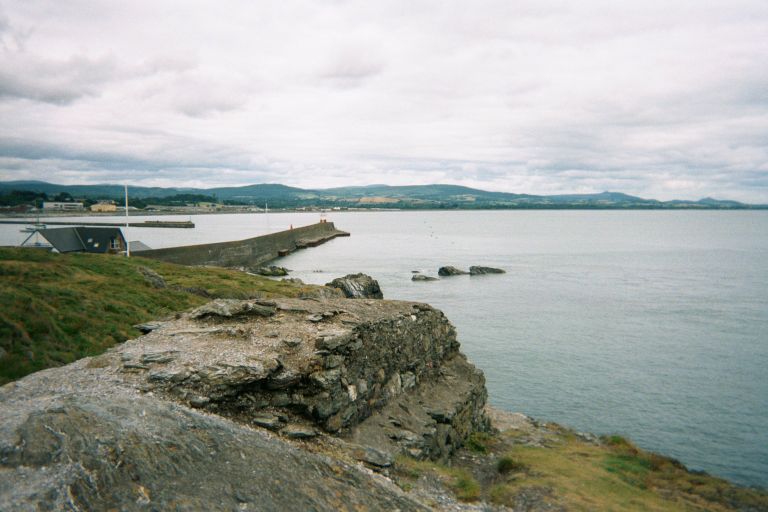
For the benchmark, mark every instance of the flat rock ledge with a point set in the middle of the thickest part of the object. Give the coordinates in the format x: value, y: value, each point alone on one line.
x: 211, y: 410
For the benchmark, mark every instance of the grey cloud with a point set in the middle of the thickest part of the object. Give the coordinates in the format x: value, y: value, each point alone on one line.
x: 49, y: 81
x: 652, y: 98
x: 352, y: 65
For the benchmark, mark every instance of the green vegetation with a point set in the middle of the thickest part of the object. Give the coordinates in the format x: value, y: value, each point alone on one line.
x: 459, y: 480
x: 478, y: 442
x: 57, y: 308
x: 551, y: 466
x: 508, y: 464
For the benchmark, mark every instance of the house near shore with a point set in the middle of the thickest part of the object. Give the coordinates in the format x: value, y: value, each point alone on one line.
x: 104, y: 207
x: 85, y: 239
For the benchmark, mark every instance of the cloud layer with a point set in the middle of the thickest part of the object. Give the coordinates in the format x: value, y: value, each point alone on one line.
x: 659, y: 99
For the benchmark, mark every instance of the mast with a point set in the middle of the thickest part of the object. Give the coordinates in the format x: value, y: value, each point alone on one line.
x: 127, y: 243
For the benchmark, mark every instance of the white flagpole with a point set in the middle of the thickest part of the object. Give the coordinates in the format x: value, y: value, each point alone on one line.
x: 127, y: 243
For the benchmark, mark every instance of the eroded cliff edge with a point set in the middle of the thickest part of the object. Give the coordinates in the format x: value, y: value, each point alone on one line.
x: 220, y: 408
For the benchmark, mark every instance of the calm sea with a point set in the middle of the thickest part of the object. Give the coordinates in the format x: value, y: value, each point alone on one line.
x: 652, y: 324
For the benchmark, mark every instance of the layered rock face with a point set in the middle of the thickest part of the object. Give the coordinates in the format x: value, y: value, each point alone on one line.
x: 185, y: 417
x: 357, y: 286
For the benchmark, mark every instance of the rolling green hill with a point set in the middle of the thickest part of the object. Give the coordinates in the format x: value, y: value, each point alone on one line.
x: 437, y: 196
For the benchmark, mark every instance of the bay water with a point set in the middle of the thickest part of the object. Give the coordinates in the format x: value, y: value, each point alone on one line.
x: 651, y: 324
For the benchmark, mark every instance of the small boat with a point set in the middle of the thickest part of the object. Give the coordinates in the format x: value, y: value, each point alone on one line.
x: 33, y: 228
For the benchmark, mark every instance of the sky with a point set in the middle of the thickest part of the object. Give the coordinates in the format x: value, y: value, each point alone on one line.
x: 661, y: 99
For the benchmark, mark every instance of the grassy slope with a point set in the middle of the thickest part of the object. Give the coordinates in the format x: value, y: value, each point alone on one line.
x: 567, y: 472
x: 57, y: 308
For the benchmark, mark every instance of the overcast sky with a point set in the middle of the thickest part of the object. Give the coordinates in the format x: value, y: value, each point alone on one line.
x: 663, y: 99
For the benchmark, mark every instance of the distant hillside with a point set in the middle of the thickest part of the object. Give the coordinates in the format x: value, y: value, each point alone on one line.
x: 436, y: 196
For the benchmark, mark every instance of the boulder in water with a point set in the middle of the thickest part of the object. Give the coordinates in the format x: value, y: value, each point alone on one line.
x: 478, y: 271
x: 450, y: 271
x: 358, y: 286
x: 272, y: 271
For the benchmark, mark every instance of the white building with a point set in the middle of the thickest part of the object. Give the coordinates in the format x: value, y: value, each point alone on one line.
x: 52, y: 205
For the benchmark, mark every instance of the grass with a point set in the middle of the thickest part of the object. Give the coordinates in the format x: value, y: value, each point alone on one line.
x: 507, y: 464
x: 618, y: 476
x: 459, y: 480
x: 565, y: 471
x: 57, y: 308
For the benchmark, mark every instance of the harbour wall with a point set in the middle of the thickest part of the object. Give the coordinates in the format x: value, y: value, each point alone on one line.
x: 250, y: 252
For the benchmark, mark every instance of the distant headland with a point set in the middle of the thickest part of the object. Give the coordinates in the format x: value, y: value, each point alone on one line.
x: 20, y: 196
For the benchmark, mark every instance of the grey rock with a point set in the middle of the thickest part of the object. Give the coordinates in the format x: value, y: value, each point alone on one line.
x: 229, y: 375
x: 358, y: 286
x: 476, y: 271
x: 272, y: 271
x: 170, y: 376
x: 292, y: 342
x: 294, y: 280
x: 299, y: 432
x: 132, y: 365
x: 283, y: 379
x: 148, y: 327
x: 159, y: 357
x: 373, y: 456
x: 323, y: 293
x: 390, y: 361
x: 326, y: 379
x: 409, y: 380
x: 267, y: 421
x: 332, y: 343
x: 422, y: 277
x: 228, y: 308
x: 104, y: 448
x: 333, y: 361
x: 153, y: 278
x: 441, y: 415
x: 450, y: 271
x: 199, y: 401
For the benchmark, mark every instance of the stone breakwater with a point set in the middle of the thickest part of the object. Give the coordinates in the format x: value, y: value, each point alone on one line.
x: 204, y: 410
x: 250, y: 253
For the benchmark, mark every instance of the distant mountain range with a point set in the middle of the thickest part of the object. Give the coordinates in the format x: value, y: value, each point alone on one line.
x: 378, y: 196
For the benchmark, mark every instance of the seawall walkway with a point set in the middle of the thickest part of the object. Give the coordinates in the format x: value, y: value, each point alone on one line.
x: 250, y: 252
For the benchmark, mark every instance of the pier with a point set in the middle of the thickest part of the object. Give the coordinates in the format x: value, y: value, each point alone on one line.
x: 251, y: 252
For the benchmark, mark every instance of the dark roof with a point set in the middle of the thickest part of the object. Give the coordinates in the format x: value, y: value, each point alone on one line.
x: 82, y: 239
x: 137, y: 246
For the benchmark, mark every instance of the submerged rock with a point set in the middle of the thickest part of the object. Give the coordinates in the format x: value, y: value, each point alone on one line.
x: 450, y: 271
x: 476, y: 271
x: 358, y: 286
x: 422, y: 277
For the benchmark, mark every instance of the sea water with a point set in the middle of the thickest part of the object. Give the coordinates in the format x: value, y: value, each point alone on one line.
x: 651, y: 324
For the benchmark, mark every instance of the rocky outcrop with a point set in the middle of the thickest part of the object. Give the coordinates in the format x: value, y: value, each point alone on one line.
x: 358, y: 286
x: 272, y: 271
x: 450, y: 271
x: 477, y: 270
x: 209, y: 411
x: 422, y: 277
x: 78, y: 439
